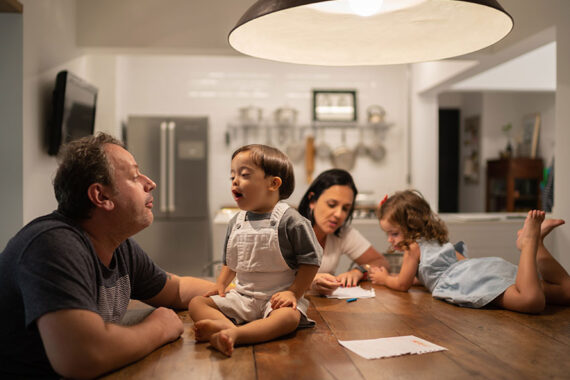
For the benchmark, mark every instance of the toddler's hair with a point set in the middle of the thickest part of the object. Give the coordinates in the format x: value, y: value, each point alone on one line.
x: 412, y: 213
x: 273, y: 162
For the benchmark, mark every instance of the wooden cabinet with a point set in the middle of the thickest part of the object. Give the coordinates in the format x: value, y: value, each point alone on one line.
x: 513, y: 184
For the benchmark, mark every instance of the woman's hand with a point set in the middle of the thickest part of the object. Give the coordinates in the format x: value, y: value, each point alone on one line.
x: 350, y: 278
x: 285, y: 298
x: 325, y: 283
x: 378, y: 275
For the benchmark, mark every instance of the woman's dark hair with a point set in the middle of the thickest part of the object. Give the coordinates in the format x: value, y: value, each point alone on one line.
x: 412, y: 213
x: 82, y: 163
x: 325, y: 180
x: 273, y: 162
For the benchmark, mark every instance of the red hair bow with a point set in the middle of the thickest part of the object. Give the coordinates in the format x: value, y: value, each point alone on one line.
x: 383, y: 200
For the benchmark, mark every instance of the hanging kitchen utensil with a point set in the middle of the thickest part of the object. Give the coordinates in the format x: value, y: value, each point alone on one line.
x: 250, y: 115
x: 296, y: 148
x: 375, y: 114
x: 310, y: 158
x: 361, y: 148
x: 377, y: 151
x: 343, y: 157
x: 323, y: 150
x: 286, y: 116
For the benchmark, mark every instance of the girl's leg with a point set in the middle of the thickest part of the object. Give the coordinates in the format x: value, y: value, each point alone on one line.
x: 208, y: 319
x: 280, y: 322
x: 556, y: 281
x: 526, y: 295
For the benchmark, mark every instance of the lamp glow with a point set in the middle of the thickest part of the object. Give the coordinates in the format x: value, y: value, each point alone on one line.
x: 332, y: 33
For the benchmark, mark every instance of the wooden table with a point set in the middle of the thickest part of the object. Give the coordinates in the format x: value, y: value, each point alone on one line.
x: 488, y: 343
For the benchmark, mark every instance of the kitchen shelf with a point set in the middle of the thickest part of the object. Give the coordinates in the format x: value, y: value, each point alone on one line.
x: 513, y: 184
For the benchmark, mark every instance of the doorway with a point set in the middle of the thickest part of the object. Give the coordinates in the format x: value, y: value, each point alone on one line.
x: 448, y: 183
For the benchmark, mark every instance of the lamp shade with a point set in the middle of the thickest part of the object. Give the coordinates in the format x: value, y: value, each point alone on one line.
x: 398, y: 31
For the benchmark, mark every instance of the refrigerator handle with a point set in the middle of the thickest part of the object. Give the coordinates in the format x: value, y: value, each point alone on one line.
x: 171, y: 168
x: 163, y: 149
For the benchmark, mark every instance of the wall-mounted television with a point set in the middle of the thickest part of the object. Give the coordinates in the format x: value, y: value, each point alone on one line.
x: 73, y: 115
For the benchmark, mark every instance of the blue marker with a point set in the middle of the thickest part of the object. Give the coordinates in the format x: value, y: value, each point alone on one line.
x: 351, y: 299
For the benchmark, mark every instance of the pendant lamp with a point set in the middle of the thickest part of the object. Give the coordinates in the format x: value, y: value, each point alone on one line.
x: 368, y: 32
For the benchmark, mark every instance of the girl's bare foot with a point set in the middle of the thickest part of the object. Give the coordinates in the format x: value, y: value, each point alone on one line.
x: 223, y: 341
x: 548, y: 225
x: 204, y: 329
x: 531, y: 228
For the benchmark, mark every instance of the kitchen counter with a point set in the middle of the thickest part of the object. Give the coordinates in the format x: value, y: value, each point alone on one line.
x: 486, y: 234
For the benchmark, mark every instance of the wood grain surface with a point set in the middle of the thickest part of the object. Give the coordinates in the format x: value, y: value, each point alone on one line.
x: 486, y: 343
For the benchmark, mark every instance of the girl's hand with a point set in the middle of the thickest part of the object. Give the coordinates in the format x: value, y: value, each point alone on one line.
x: 325, y: 283
x: 350, y: 278
x: 378, y: 275
x: 285, y: 298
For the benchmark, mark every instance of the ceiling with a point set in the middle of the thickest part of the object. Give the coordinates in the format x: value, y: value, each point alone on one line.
x: 202, y: 26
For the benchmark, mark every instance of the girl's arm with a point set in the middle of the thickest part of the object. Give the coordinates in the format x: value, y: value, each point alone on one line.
x: 403, y: 280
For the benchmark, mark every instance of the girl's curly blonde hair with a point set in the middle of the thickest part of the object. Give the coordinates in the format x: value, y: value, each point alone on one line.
x: 412, y: 213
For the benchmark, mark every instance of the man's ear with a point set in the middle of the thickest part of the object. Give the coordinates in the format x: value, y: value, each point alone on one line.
x: 98, y: 195
x: 275, y: 183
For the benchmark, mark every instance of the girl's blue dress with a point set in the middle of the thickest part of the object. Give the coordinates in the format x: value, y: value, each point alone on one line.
x: 471, y: 282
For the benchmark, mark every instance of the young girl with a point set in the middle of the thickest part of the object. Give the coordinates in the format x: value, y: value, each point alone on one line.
x: 270, y: 249
x: 412, y: 227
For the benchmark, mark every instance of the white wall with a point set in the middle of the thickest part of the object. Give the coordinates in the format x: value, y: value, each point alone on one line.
x: 218, y: 86
x: 11, y: 202
x: 49, y: 46
x: 561, y: 239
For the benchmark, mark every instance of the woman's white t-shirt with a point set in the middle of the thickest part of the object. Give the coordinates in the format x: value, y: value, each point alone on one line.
x: 350, y: 243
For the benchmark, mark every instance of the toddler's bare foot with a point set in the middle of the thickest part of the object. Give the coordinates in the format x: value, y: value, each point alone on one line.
x: 531, y: 228
x: 223, y: 341
x: 548, y: 225
x: 204, y: 329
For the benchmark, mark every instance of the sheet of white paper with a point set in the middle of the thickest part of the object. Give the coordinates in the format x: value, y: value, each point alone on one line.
x: 354, y: 292
x: 388, y: 347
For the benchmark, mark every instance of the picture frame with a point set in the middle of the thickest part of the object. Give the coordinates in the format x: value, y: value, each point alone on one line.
x: 530, y: 135
x: 334, y: 106
x: 471, y: 149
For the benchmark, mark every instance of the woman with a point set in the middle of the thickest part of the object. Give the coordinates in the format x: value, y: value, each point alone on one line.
x: 328, y: 204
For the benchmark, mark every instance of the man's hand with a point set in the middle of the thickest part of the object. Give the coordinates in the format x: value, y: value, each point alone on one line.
x: 285, y: 298
x: 172, y: 326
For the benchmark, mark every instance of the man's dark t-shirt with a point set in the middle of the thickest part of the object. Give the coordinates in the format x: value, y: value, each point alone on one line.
x: 51, y: 265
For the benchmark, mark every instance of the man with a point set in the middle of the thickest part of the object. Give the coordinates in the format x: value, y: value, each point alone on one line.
x: 66, y: 278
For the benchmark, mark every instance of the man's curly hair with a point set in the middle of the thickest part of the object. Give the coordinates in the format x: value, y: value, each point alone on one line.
x: 82, y: 162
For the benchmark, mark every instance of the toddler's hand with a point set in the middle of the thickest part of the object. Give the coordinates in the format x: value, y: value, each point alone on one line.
x: 219, y: 289
x: 285, y: 298
x: 378, y: 275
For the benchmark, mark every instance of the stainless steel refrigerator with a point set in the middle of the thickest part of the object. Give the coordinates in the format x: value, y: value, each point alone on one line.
x: 173, y: 152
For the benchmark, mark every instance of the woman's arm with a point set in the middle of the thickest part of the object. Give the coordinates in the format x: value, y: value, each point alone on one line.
x: 403, y: 280
x: 370, y: 257
x: 373, y: 258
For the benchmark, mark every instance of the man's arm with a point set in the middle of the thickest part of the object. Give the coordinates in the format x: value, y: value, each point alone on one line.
x: 79, y: 344
x: 178, y: 291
